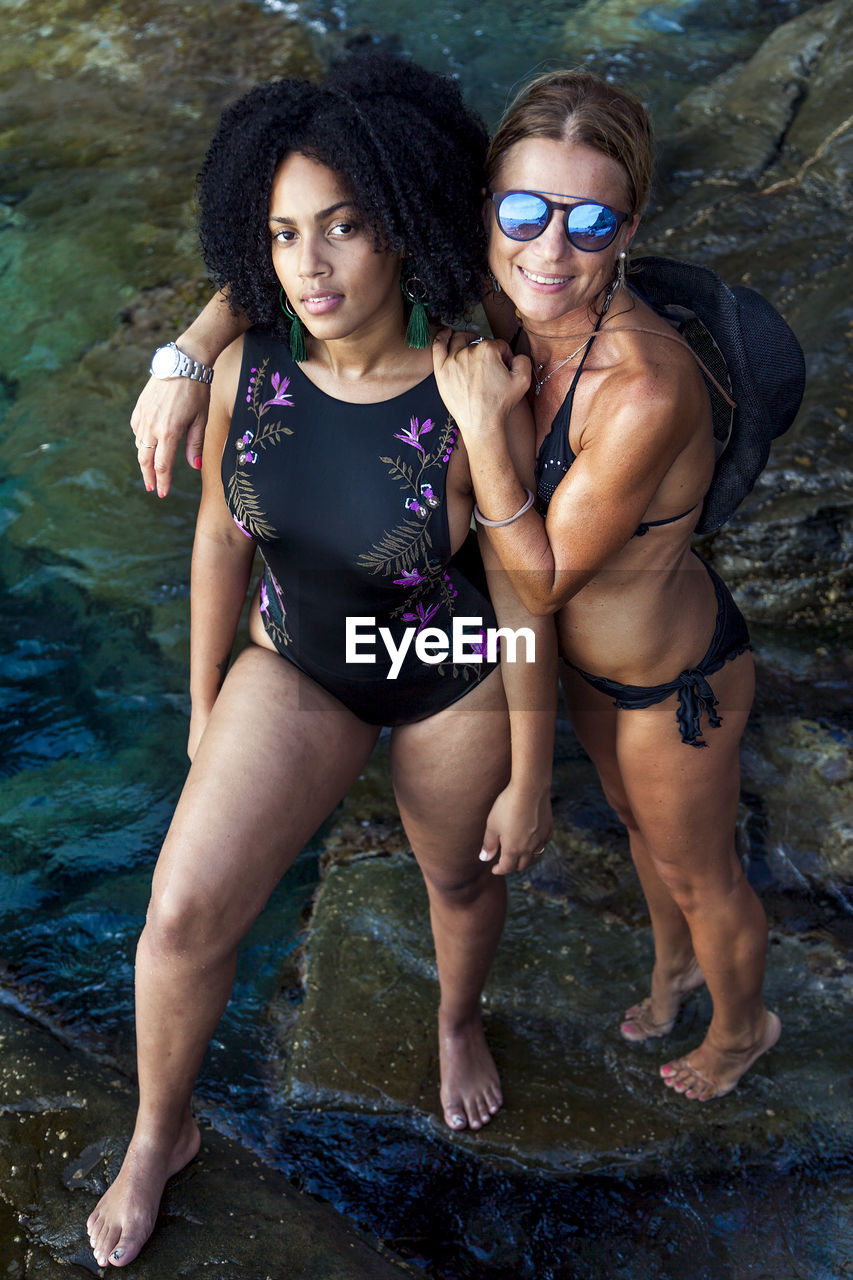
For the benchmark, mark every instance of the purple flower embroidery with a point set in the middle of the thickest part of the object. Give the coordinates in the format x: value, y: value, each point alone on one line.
x: 422, y: 615
x: 429, y: 496
x: 412, y: 504
x: 280, y: 386
x: 241, y: 526
x: 265, y: 600
x: 245, y: 439
x: 410, y: 579
x: 452, y: 442
x: 249, y: 456
x: 412, y: 434
x: 479, y: 646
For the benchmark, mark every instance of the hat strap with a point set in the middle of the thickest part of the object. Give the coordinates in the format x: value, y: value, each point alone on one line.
x: 674, y: 337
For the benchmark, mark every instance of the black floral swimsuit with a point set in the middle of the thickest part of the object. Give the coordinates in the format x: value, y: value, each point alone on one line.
x: 347, y: 505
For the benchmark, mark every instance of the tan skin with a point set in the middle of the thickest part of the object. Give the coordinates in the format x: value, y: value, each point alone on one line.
x: 641, y: 435
x: 637, y: 610
x: 456, y: 776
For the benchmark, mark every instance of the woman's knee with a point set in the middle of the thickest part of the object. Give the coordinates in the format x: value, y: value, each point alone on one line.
x: 458, y: 887
x: 700, y: 889
x: 178, y: 925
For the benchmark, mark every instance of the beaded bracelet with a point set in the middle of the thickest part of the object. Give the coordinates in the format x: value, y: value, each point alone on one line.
x: 498, y: 524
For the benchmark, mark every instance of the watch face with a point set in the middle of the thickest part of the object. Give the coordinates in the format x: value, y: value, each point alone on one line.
x: 165, y: 362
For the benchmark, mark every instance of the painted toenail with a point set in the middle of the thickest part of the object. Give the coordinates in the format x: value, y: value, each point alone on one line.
x: 117, y: 1253
x: 457, y: 1121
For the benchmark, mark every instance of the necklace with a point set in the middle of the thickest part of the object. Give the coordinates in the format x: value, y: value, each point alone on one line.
x: 540, y: 382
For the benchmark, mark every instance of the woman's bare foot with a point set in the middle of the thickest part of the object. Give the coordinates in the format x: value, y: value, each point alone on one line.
x: 655, y: 1016
x: 470, y: 1086
x: 125, y: 1215
x: 709, y: 1073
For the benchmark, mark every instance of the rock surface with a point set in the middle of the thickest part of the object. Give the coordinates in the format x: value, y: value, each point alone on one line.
x: 755, y: 183
x: 578, y: 1098
x: 588, y: 1128
x: 64, y: 1122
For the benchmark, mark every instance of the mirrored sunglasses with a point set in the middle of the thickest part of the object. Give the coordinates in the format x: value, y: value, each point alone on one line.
x: 589, y: 226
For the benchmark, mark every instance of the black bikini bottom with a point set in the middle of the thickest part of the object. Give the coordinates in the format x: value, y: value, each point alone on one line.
x: 695, y: 695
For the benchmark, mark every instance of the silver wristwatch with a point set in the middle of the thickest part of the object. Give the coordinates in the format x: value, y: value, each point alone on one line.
x: 170, y: 362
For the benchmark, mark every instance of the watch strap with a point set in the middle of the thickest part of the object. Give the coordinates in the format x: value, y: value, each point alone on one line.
x: 189, y: 368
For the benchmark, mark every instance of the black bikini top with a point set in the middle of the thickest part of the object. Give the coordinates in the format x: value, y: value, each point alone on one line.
x: 556, y: 456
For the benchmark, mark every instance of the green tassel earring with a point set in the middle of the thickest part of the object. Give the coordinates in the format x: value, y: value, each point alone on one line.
x: 297, y: 333
x: 417, y: 330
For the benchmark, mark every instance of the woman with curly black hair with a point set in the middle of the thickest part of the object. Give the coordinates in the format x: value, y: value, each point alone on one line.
x: 325, y: 208
x: 402, y: 139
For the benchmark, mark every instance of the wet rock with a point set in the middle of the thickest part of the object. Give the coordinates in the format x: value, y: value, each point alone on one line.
x: 760, y: 160
x: 588, y: 1130
x: 112, y: 109
x: 662, y: 50
x: 740, y: 123
x: 804, y: 774
x: 585, y: 1100
x: 64, y: 1122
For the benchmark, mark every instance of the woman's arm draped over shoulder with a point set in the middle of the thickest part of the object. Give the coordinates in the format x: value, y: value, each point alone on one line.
x: 168, y: 408
x: 222, y: 560
x: 637, y: 428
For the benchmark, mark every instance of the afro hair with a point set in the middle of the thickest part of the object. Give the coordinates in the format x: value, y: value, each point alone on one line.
x: 404, y: 144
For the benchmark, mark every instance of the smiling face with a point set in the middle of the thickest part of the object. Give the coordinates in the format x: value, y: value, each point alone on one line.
x: 547, y: 278
x: 325, y: 256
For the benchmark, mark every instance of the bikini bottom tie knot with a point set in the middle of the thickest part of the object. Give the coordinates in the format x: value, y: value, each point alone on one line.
x: 695, y: 695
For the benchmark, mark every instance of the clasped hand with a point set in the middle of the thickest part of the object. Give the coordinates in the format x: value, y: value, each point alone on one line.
x: 480, y: 381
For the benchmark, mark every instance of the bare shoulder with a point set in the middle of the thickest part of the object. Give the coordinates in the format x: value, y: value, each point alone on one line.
x: 648, y: 378
x: 226, y: 375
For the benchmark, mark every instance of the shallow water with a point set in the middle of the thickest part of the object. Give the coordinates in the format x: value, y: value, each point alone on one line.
x: 93, y: 633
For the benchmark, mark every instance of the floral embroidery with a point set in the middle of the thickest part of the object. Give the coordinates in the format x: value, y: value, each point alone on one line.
x: 242, y: 498
x: 280, y: 386
x: 243, y: 501
x: 412, y: 434
x: 422, y: 615
x: 410, y: 579
x: 479, y: 645
x: 401, y: 548
x: 404, y: 551
x: 276, y: 629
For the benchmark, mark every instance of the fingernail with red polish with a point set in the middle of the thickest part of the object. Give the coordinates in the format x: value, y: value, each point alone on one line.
x: 197, y: 463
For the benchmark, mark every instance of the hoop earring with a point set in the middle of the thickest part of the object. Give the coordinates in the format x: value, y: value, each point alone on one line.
x: 297, y: 333
x: 417, y: 330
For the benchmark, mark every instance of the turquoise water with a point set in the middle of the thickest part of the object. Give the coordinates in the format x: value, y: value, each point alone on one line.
x: 105, y: 123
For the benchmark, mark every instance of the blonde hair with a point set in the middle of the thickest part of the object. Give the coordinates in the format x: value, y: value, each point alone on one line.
x: 579, y: 107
